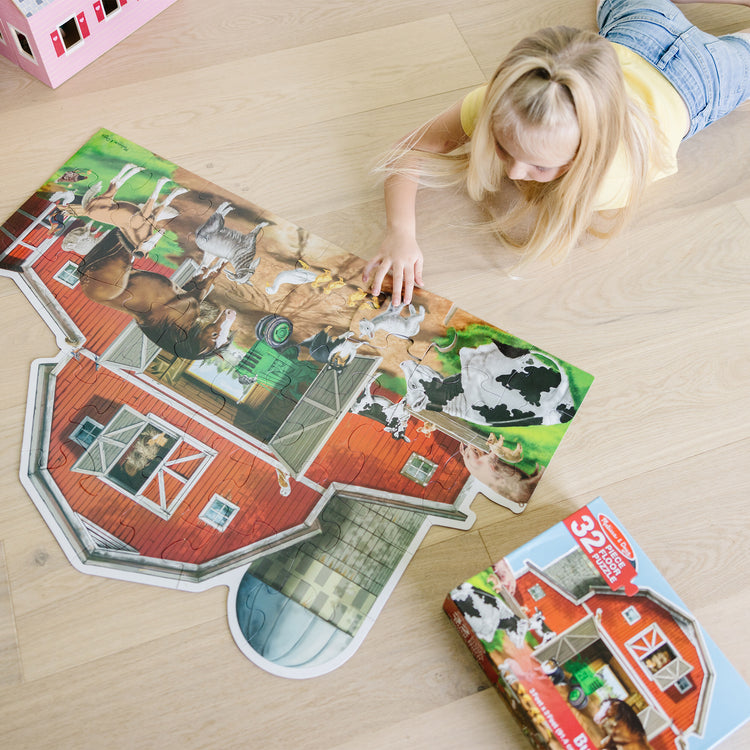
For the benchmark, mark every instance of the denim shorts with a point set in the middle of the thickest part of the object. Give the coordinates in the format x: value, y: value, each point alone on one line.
x: 712, y: 74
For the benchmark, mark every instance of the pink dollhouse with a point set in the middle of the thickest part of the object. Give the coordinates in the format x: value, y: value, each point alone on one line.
x: 54, y: 39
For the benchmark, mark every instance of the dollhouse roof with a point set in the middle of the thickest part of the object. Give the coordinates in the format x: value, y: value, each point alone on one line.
x: 30, y: 7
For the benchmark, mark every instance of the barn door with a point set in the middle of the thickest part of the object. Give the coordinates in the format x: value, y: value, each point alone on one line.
x: 570, y: 643
x: 311, y: 422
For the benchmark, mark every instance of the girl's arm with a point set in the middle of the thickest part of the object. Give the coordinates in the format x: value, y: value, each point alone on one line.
x: 399, y: 252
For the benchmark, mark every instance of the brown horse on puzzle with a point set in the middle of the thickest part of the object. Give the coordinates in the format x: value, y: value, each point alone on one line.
x: 179, y: 319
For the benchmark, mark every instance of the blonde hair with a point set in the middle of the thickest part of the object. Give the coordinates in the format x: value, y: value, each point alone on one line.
x: 550, y: 82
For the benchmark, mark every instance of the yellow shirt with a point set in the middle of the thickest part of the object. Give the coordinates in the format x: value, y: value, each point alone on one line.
x: 655, y: 95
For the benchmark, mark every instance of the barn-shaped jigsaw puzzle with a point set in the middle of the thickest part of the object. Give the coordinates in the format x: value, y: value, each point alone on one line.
x: 230, y: 406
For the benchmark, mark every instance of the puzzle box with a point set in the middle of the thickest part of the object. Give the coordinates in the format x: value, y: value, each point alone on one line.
x: 591, y: 648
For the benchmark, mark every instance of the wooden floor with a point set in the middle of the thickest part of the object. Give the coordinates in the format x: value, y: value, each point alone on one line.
x: 288, y: 104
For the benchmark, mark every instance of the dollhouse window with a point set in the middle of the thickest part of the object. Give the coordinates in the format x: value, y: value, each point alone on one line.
x: 70, y: 33
x: 86, y: 432
x: 419, y: 469
x: 110, y: 6
x: 684, y: 685
x: 218, y: 513
x: 68, y: 275
x: 631, y: 615
x: 537, y: 592
x: 23, y: 45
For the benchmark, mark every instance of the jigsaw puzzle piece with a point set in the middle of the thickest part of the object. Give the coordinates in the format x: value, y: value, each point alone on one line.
x: 86, y: 376
x: 69, y: 184
x: 126, y: 531
x: 343, y: 458
x: 138, y: 176
x: 150, y: 223
x: 241, y: 464
x: 60, y: 459
x: 221, y: 386
x: 298, y: 275
x: 392, y: 322
x: 68, y: 177
x: 187, y: 547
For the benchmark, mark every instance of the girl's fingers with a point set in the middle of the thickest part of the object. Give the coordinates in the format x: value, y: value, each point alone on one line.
x: 398, y: 279
x: 377, y: 282
x: 368, y: 268
x: 418, y: 272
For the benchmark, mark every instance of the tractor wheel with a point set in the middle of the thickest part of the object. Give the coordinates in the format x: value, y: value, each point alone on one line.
x: 274, y: 330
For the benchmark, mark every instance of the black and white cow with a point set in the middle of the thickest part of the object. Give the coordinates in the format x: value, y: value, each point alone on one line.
x: 486, y: 614
x: 498, y: 385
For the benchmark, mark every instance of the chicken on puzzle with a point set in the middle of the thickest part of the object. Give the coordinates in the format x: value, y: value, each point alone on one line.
x: 591, y: 648
x: 229, y: 406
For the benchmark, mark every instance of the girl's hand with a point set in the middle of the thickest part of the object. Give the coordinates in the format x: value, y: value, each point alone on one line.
x: 399, y: 254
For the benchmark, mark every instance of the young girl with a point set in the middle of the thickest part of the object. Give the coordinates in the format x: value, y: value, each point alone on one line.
x: 579, y: 122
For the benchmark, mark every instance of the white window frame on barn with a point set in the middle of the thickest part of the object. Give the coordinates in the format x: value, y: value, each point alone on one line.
x: 536, y: 592
x: 214, y: 513
x: 116, y: 441
x: 68, y: 275
x: 86, y: 432
x: 419, y: 469
x: 631, y: 615
x: 645, y: 644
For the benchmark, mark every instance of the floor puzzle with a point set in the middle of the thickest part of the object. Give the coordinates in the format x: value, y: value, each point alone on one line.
x: 229, y: 406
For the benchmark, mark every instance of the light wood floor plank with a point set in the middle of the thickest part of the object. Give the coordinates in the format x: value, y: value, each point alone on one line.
x: 10, y: 660
x: 290, y: 89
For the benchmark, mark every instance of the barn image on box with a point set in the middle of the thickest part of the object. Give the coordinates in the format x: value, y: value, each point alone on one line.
x: 591, y: 648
